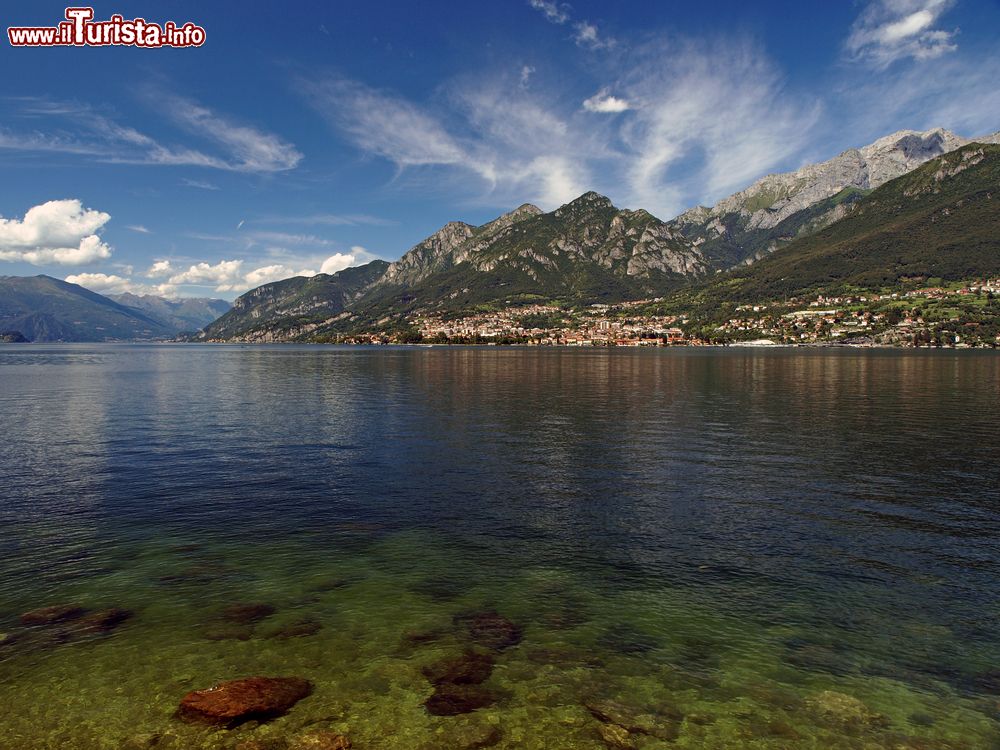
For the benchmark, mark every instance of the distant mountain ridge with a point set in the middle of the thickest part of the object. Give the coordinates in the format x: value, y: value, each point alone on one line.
x: 181, y: 314
x: 941, y: 221
x: 295, y: 307
x: 42, y: 308
x: 585, y: 250
x: 590, y: 251
x: 753, y: 222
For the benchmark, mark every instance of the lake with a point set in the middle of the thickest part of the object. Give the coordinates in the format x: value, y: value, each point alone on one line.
x: 718, y: 548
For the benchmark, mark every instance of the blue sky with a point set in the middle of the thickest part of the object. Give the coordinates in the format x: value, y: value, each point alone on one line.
x: 309, y: 136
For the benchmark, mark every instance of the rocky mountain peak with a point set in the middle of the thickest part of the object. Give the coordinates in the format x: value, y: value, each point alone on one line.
x: 586, y: 202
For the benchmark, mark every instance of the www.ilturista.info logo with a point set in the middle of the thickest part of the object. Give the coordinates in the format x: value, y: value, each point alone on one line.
x: 80, y: 30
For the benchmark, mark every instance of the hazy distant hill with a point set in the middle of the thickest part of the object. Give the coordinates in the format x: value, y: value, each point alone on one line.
x: 293, y: 307
x: 183, y: 314
x: 42, y: 308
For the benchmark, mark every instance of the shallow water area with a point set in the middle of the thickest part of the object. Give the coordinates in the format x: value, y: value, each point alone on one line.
x: 649, y: 549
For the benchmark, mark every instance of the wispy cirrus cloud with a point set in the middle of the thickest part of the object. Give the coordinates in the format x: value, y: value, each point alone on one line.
x: 248, y: 149
x: 490, y: 127
x: 554, y: 12
x: 82, y: 130
x: 708, y: 118
x: 585, y: 33
x: 199, y: 184
x: 694, y: 119
x: 891, y: 30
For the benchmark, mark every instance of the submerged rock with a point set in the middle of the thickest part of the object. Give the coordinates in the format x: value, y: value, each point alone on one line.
x: 492, y: 630
x: 627, y: 639
x: 463, y: 733
x: 986, y: 682
x: 450, y: 699
x: 616, y: 736
x: 52, y: 615
x: 470, y: 668
x: 441, y: 589
x: 844, y: 711
x: 227, y: 631
x: 236, y: 701
x: 321, y: 741
x: 566, y: 657
x: 103, y: 621
x: 256, y: 743
x: 247, y: 613
x: 420, y: 637
x: 663, y: 724
x: 298, y: 629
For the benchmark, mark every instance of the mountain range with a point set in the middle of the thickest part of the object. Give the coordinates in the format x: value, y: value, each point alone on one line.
x: 910, y: 206
x: 41, y: 308
x: 588, y: 251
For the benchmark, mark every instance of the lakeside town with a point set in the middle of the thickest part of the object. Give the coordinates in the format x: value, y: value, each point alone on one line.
x: 959, y: 316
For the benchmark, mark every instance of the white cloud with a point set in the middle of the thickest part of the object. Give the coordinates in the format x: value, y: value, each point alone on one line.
x: 557, y: 13
x: 138, y: 228
x: 891, y: 30
x: 588, y: 36
x: 338, y: 262
x: 526, y: 72
x: 348, y: 220
x: 602, y: 101
x: 200, y: 184
x: 708, y: 119
x: 958, y: 93
x: 57, y: 232
x: 585, y: 33
x: 160, y: 269
x: 249, y: 149
x: 230, y: 276
x: 265, y: 275
x: 388, y: 126
x: 82, y: 130
x: 515, y: 142
x: 104, y: 283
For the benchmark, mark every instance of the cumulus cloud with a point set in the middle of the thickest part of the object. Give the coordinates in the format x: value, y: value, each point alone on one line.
x: 160, y: 270
x: 104, y: 283
x: 232, y: 275
x: 602, y: 101
x: 891, y: 30
x: 339, y: 261
x: 59, y: 232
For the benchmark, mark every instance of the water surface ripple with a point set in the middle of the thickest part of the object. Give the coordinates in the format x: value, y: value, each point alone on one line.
x: 739, y: 548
